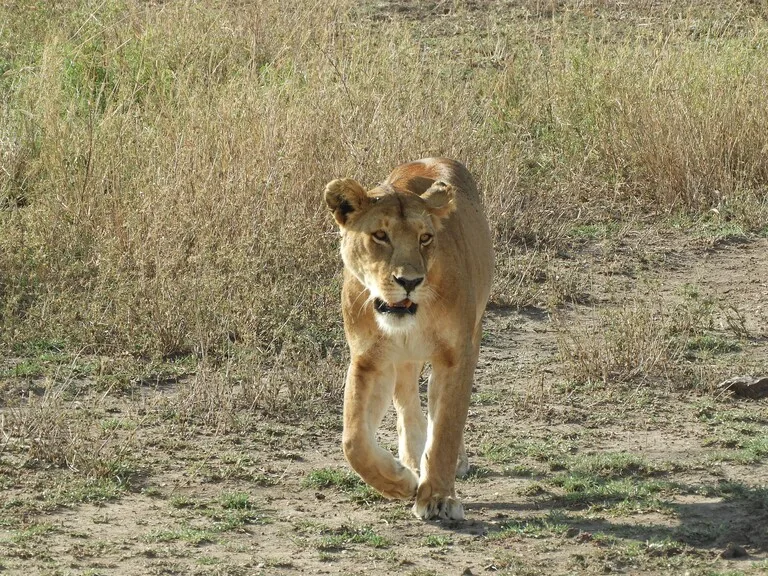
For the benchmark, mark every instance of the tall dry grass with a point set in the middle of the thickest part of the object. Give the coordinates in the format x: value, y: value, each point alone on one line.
x: 162, y: 163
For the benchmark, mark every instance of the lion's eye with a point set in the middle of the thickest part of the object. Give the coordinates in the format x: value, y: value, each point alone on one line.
x: 425, y: 239
x: 380, y: 236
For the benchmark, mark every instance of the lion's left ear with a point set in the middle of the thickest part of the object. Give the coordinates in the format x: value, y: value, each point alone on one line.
x: 440, y: 199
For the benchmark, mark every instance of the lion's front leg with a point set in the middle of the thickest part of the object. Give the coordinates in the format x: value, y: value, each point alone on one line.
x: 366, y: 397
x: 449, y: 391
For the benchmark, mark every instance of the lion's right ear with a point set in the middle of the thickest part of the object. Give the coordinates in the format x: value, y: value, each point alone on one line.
x: 344, y: 196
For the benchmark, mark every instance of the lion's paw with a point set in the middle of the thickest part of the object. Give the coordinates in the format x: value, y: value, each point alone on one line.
x: 400, y: 487
x: 439, y: 507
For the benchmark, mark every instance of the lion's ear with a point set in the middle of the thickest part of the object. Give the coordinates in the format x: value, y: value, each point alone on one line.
x: 440, y: 199
x: 344, y: 196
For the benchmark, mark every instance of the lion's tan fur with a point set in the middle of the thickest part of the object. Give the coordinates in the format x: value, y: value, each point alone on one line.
x: 423, y: 225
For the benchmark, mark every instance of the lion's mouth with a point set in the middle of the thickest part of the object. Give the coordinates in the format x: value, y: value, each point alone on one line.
x: 402, y: 308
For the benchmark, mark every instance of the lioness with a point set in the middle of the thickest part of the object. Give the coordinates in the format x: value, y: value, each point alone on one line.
x: 418, y: 262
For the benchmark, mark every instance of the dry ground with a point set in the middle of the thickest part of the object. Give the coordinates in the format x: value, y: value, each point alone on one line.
x: 171, y: 352
x: 630, y: 479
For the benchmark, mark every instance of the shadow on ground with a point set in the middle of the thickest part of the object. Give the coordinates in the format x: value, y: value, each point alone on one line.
x: 725, y: 513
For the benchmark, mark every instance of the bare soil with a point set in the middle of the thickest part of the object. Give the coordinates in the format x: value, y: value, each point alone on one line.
x: 520, y: 518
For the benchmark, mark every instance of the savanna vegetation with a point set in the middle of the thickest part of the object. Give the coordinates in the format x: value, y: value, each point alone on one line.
x: 168, y: 268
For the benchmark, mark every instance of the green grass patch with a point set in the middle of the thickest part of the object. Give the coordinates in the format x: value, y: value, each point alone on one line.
x: 519, y: 470
x: 618, y: 482
x: 487, y: 398
x: 712, y: 343
x: 622, y: 496
x: 237, y: 501
x: 537, y: 450
x: 548, y: 526
x: 80, y: 490
x: 597, y: 231
x: 737, y: 434
x: 195, y: 536
x: 748, y: 451
x: 438, y: 541
x: 233, y: 511
x: 28, y: 368
x: 118, y: 424
x: 343, y: 537
x: 181, y: 501
x: 342, y: 481
x: 31, y: 534
x: 478, y: 473
x: 612, y: 465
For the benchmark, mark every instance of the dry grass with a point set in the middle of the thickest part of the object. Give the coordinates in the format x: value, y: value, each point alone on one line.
x: 162, y: 163
x: 62, y: 431
x: 169, y: 276
x: 641, y: 340
x: 636, y: 342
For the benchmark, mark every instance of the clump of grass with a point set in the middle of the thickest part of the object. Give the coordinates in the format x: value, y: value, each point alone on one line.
x: 345, y: 535
x: 45, y: 431
x: 712, y: 344
x: 536, y: 527
x: 236, y: 501
x: 478, y: 474
x: 181, y: 501
x: 343, y: 481
x: 640, y: 341
x: 195, y: 536
x: 551, y: 451
x: 331, y: 477
x: 519, y: 471
x: 744, y: 450
x: 619, y: 496
x: 233, y: 511
x: 613, y: 465
x: 437, y: 541
x: 631, y: 343
x: 33, y: 532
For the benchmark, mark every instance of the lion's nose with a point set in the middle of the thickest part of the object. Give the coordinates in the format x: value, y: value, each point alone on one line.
x: 408, y: 283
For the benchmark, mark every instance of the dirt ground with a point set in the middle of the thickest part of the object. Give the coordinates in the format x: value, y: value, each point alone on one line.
x: 647, y: 468
x: 668, y: 484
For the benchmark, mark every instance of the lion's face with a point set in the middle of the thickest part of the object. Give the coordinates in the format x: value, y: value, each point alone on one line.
x: 388, y: 243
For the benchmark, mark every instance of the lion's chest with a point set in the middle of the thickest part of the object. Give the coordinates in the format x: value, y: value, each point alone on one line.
x: 413, y: 346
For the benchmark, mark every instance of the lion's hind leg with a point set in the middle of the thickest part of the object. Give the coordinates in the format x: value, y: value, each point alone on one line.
x: 411, y: 421
x: 462, y: 465
x: 366, y: 398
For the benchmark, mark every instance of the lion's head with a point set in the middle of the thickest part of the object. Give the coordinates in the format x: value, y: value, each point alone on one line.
x: 389, y: 241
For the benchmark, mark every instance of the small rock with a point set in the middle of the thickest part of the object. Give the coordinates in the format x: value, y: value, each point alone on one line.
x: 746, y: 386
x: 733, y: 551
x: 584, y: 537
x: 467, y: 572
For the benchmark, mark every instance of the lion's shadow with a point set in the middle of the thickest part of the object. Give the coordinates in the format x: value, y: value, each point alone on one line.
x: 734, y: 513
